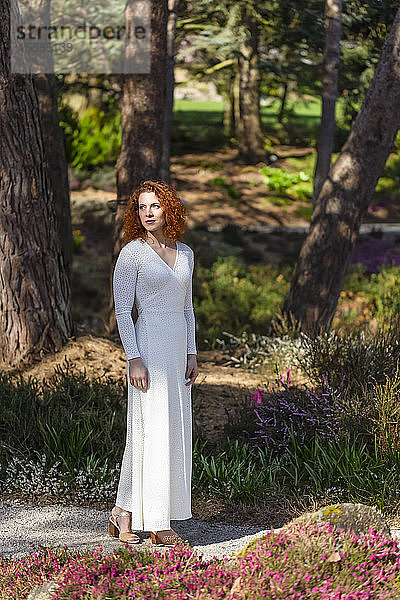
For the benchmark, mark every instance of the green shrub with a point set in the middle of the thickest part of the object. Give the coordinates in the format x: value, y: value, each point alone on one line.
x: 67, y: 418
x: 289, y: 186
x: 254, y: 351
x: 384, y: 292
x: 94, y: 138
x: 358, y: 360
x: 280, y: 180
x: 368, y: 300
x: 235, y: 473
x: 385, y: 413
x: 324, y: 469
x: 233, y: 297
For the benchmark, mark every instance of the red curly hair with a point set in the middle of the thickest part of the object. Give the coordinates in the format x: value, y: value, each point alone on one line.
x: 172, y: 205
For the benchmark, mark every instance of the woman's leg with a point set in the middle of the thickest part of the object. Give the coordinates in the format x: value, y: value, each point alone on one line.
x: 124, y: 523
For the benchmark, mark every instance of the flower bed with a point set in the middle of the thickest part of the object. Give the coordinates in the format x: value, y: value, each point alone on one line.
x: 298, y: 562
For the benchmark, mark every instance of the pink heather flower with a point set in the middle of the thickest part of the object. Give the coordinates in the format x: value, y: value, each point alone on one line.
x: 257, y: 396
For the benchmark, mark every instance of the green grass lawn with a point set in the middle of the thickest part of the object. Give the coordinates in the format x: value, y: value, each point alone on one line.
x: 198, y: 126
x: 301, y: 108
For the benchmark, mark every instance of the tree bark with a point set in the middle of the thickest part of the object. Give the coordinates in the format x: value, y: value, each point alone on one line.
x: 46, y: 89
x: 283, y: 102
x: 229, y: 107
x: 250, y: 137
x: 170, y: 86
x: 343, y: 201
x: 35, y: 313
x: 38, y: 11
x: 330, y: 75
x: 236, y: 95
x: 143, y: 113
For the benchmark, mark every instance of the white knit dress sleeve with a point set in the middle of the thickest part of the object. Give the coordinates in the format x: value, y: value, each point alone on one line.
x: 189, y: 312
x: 124, y: 288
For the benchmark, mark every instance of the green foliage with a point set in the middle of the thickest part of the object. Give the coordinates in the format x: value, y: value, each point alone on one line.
x: 355, y: 74
x: 356, y: 280
x: 69, y: 122
x: 69, y: 447
x: 366, y: 24
x: 238, y: 298
x: 67, y: 418
x: 235, y: 474
x: 368, y: 296
x: 357, y: 360
x: 218, y: 181
x: 336, y: 469
x: 385, y: 412
x: 391, y: 172
x: 93, y: 138
x: 384, y: 292
x: 280, y: 180
x: 78, y: 240
x: 231, y: 297
x: 346, y: 471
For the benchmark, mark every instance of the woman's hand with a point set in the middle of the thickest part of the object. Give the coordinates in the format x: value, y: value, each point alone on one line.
x: 191, y: 369
x: 138, y: 374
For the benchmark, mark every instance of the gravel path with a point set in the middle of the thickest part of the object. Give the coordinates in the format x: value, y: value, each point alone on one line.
x: 80, y: 528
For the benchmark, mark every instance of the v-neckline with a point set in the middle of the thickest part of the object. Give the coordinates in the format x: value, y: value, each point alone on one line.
x: 166, y: 264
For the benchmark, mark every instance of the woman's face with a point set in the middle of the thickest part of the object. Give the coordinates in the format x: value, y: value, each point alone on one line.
x: 151, y: 213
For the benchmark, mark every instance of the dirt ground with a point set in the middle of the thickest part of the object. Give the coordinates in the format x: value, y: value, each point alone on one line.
x: 211, y: 205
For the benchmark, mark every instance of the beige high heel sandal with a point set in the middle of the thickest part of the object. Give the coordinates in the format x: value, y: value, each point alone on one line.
x: 115, y: 531
x: 164, y: 539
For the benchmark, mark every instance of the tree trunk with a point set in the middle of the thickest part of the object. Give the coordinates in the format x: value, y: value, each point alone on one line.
x: 236, y: 94
x: 283, y: 102
x: 229, y: 107
x: 345, y: 195
x: 250, y: 137
x: 143, y: 110
x: 46, y: 88
x: 170, y: 85
x: 330, y: 75
x: 35, y: 313
x: 38, y: 12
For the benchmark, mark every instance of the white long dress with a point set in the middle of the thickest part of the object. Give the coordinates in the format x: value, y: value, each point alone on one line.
x: 156, y: 470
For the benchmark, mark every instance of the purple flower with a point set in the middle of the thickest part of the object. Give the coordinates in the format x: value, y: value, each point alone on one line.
x: 375, y: 253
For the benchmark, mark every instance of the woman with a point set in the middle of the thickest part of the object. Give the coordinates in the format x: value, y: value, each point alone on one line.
x: 155, y: 269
